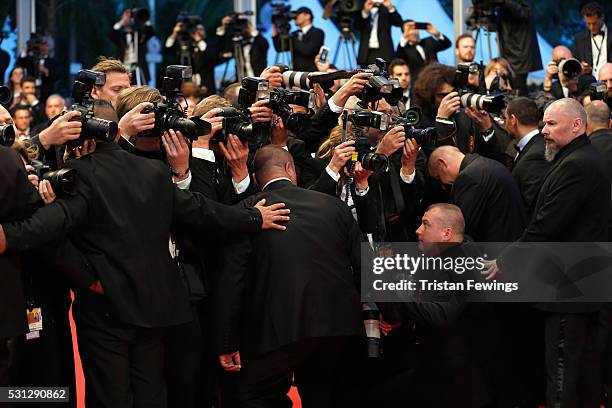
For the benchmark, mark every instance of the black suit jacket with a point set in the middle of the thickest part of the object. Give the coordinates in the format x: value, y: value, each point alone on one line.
x: 602, y: 141
x: 5, y: 60
x: 431, y: 47
x: 304, y: 50
x: 120, y: 220
x: 278, y: 287
x: 385, y: 21
x: 528, y: 169
x: 489, y: 200
x: 583, y: 50
x: 18, y: 198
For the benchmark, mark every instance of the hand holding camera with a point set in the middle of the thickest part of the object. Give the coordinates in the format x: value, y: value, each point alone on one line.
x: 480, y: 117
x: 392, y: 141
x: 274, y: 76
x: 45, y: 190
x: 260, y: 112
x: 177, y: 153
x: 341, y: 154
x: 360, y: 176
x: 236, y: 154
x: 409, y: 156
x: 354, y: 86
x: 449, y: 105
x: 61, y: 130
x: 135, y: 121
x: 216, y: 123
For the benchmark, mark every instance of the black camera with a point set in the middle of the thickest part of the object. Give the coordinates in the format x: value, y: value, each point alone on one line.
x: 139, y: 17
x: 485, y: 13
x: 188, y: 24
x: 252, y: 89
x: 599, y: 92
x: 236, y: 123
x: 280, y: 99
x: 369, y: 160
x: 34, y: 45
x: 367, y: 119
x: 470, y: 99
x: 461, y: 79
x: 281, y: 16
x: 62, y: 181
x: 169, y: 114
x: 7, y: 135
x: 379, y: 86
x: 350, y: 6
x: 92, y: 127
x: 570, y: 68
x: 409, y: 120
x: 239, y: 26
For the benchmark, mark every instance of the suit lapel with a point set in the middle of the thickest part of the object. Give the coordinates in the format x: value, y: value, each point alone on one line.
x: 587, y: 47
x: 523, y: 152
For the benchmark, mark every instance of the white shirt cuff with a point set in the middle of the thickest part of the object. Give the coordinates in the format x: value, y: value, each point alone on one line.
x: 184, y: 184
x: 202, y: 45
x: 445, y: 121
x: 117, y: 27
x: 489, y: 136
x: 242, y: 186
x: 204, y: 154
x: 220, y: 31
x: 392, y: 10
x: 403, y: 42
x: 332, y: 174
x: 361, y: 192
x: 364, y: 15
x: 169, y: 42
x: 409, y: 178
x: 286, y: 148
x: 333, y: 107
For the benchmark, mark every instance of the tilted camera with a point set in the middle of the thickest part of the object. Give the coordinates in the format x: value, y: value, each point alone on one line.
x: 91, y: 127
x: 280, y: 101
x: 469, y: 99
x: 410, y: 120
x: 62, y: 181
x: 379, y: 86
x: 169, y: 114
x: 235, y: 122
x: 363, y: 148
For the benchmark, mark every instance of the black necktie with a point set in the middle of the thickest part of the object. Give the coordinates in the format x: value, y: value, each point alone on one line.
x: 602, y: 33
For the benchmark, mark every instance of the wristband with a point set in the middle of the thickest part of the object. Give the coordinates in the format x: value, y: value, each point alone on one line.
x: 179, y: 175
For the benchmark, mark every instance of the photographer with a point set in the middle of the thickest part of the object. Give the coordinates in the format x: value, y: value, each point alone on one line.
x: 130, y: 35
x: 305, y: 41
x: 40, y: 65
x: 253, y: 45
x: 187, y: 43
x: 374, y: 23
x: 593, y: 47
x: 419, y: 53
x: 131, y: 300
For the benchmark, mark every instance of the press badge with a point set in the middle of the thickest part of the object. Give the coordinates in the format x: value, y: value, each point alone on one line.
x: 35, y: 323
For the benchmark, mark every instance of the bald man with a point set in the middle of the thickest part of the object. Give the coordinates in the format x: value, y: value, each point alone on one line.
x: 572, y: 206
x: 559, y: 53
x: 605, y: 75
x: 290, y: 303
x: 484, y: 190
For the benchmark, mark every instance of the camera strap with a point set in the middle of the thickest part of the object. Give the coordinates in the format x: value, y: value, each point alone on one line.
x: 598, y: 47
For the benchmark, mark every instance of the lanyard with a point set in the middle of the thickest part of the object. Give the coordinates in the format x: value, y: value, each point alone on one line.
x: 598, y: 47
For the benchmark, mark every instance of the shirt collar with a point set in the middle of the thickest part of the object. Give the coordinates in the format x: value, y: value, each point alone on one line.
x: 273, y: 180
x: 307, y: 28
x: 604, y: 30
x: 525, y: 139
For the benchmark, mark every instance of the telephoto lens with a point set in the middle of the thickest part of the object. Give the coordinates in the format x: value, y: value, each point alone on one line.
x: 62, y: 181
x: 489, y: 103
x: 7, y: 135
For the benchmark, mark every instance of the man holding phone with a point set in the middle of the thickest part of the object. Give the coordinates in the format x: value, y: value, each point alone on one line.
x: 419, y: 53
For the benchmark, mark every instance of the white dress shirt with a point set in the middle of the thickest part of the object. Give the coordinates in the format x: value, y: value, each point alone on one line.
x: 599, y: 46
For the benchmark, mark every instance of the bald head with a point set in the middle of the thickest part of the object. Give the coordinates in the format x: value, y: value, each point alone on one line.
x: 444, y: 163
x: 564, y: 121
x: 570, y: 107
x: 272, y: 162
x: 561, y: 52
x: 448, y: 216
x: 605, y: 75
x: 598, y: 116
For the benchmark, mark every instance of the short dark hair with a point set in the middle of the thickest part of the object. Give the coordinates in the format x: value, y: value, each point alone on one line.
x: 525, y: 110
x: 20, y: 107
x: 27, y: 79
x: 592, y: 9
x: 461, y: 37
x: 396, y: 63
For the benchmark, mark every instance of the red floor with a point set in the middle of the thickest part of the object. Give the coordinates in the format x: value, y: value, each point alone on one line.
x: 81, y: 382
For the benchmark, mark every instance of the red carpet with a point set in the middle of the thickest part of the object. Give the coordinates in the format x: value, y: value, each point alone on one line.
x: 81, y: 381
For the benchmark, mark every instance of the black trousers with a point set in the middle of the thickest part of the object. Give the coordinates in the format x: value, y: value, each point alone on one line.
x: 573, y: 360
x: 264, y: 381
x: 123, y: 364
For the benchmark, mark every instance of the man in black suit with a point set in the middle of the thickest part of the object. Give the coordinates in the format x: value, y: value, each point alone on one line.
x: 254, y: 47
x: 418, y: 53
x: 305, y: 44
x: 130, y: 35
x: 41, y: 66
x: 5, y: 61
x: 594, y: 45
x: 529, y: 165
x: 484, y: 190
x: 400, y: 70
x: 573, y: 205
x: 277, y: 317
x: 374, y: 23
x: 134, y: 291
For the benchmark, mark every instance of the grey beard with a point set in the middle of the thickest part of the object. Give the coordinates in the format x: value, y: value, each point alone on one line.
x: 550, y: 152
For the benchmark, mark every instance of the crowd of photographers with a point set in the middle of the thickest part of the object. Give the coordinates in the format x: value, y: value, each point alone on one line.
x: 131, y: 196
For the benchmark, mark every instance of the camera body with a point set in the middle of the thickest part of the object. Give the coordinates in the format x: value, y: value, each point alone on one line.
x: 282, y: 16
x: 469, y: 99
x: 369, y: 160
x: 379, y: 86
x: 188, y: 24
x: 598, y: 91
x: 363, y: 147
x: 253, y: 89
x: 410, y: 120
x: 62, y: 181
x: 367, y: 119
x: 570, y: 67
x: 92, y: 127
x: 236, y: 123
x: 281, y: 98
x: 169, y: 114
